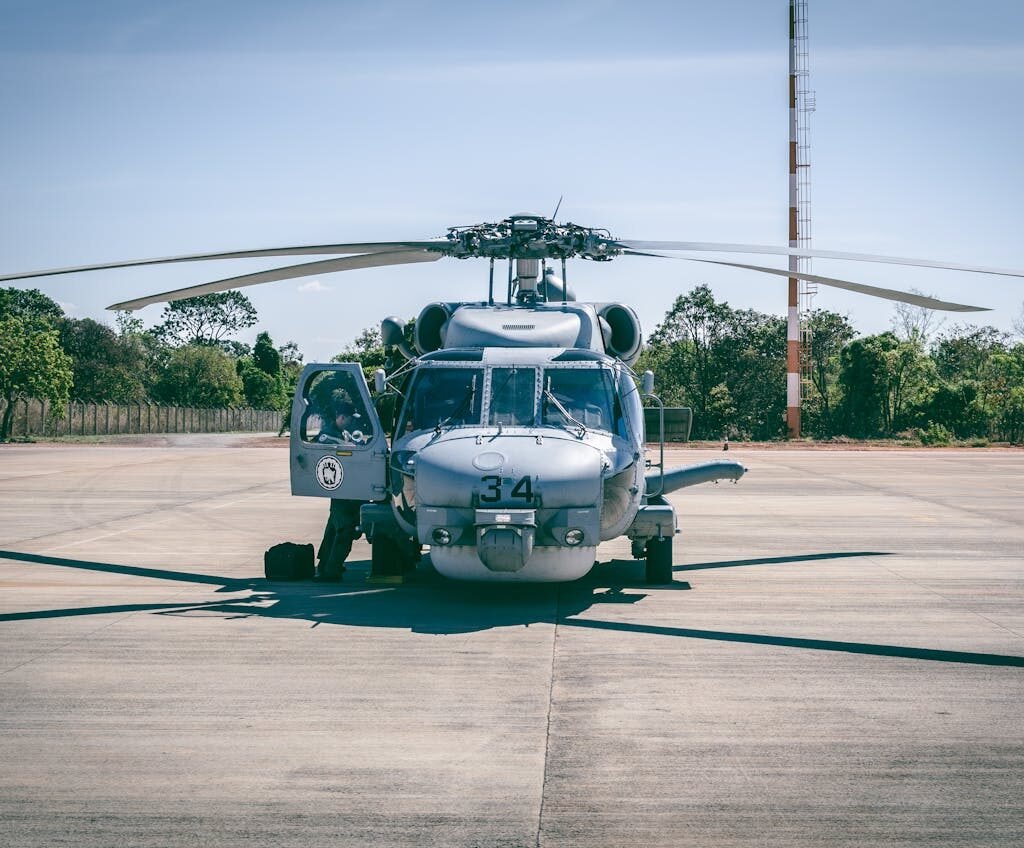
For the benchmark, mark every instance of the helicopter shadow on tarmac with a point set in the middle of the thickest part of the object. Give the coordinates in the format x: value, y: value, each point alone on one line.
x: 432, y: 604
x: 429, y: 603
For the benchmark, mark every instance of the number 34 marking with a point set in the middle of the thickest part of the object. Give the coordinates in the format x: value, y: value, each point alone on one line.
x: 522, y: 490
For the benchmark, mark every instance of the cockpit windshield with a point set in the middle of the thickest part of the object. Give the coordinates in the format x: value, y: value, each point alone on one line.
x: 586, y: 394
x: 570, y: 398
x: 443, y: 397
x: 512, y: 396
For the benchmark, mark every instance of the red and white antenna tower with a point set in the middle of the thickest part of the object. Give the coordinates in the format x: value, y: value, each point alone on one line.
x: 801, y: 104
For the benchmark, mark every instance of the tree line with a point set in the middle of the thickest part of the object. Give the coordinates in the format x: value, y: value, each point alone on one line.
x: 919, y: 380
x: 188, y: 359
x: 916, y: 381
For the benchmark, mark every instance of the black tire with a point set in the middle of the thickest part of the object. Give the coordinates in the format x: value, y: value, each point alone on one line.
x: 659, y: 560
x: 391, y: 557
x: 331, y: 573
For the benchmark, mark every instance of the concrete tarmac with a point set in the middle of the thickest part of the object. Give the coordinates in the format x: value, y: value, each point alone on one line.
x: 840, y: 661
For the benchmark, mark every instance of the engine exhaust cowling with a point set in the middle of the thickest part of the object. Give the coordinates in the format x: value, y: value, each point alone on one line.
x: 431, y: 327
x: 622, y: 333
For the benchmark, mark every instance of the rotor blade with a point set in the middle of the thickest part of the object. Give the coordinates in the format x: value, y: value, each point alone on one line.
x: 308, y: 269
x: 310, y: 250
x: 715, y: 247
x: 863, y: 288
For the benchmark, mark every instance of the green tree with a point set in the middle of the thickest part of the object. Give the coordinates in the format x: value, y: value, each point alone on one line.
x: 367, y: 350
x: 267, y: 357
x: 1003, y: 384
x: 908, y: 375
x: 862, y: 378
x: 753, y: 355
x: 688, y: 368
x: 32, y: 364
x: 107, y: 367
x: 959, y: 406
x: 206, y: 320
x: 30, y: 305
x: 830, y: 332
x: 884, y: 382
x: 261, y: 375
x: 261, y: 390
x: 199, y: 375
x: 961, y: 353
x: 726, y: 364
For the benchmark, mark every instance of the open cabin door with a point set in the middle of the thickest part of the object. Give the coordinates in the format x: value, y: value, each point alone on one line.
x: 338, y: 448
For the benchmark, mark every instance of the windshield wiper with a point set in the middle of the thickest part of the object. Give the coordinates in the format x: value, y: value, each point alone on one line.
x: 581, y: 427
x: 460, y: 410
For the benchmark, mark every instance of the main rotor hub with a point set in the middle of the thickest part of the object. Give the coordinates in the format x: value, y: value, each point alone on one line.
x: 530, y: 237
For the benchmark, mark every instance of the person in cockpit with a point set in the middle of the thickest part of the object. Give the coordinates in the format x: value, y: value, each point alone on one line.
x: 342, y: 422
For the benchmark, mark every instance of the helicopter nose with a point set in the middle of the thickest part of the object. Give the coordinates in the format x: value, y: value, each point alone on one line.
x: 514, y: 507
x: 509, y: 471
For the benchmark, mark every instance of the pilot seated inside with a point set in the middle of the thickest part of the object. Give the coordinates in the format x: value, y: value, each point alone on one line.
x: 344, y: 424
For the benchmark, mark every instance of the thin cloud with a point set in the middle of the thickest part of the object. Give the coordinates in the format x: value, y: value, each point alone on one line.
x: 957, y: 59
x: 314, y: 286
x: 619, y: 68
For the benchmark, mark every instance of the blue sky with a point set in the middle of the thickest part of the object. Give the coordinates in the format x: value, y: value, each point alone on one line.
x: 148, y: 129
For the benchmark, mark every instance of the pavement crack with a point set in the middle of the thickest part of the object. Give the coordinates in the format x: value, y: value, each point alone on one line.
x: 172, y: 508
x: 946, y: 598
x: 83, y: 636
x: 903, y: 493
x: 547, y: 729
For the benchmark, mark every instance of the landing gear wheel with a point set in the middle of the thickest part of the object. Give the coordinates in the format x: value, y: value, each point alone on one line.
x: 330, y: 573
x: 659, y: 560
x: 391, y: 557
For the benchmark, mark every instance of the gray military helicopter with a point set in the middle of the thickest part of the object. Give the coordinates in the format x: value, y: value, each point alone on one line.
x: 518, y: 444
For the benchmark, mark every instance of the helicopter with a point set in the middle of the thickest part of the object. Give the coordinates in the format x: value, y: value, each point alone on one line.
x: 515, y: 441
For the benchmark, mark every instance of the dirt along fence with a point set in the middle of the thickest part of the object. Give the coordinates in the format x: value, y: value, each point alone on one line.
x: 32, y: 418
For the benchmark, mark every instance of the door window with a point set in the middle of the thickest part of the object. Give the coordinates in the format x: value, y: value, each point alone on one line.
x: 335, y: 412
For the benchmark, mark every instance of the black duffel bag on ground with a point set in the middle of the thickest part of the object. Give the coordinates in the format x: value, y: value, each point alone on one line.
x: 289, y: 561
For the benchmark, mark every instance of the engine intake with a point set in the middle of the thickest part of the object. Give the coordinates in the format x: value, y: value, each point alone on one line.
x: 431, y: 327
x: 621, y: 329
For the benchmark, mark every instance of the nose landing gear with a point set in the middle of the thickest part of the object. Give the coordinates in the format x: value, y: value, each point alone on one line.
x: 659, y: 560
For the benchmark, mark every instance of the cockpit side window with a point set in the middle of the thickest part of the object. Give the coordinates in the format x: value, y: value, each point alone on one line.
x: 335, y: 412
x: 442, y: 397
x: 587, y: 394
x: 512, y: 397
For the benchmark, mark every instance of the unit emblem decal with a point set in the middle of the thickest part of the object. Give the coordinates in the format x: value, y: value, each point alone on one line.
x: 329, y: 472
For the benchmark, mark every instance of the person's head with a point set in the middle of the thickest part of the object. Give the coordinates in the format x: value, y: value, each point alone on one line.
x: 344, y: 412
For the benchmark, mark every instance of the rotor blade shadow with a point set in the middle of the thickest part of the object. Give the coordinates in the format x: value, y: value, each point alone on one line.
x: 229, y: 583
x: 811, y: 644
x: 113, y: 608
x: 704, y: 566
